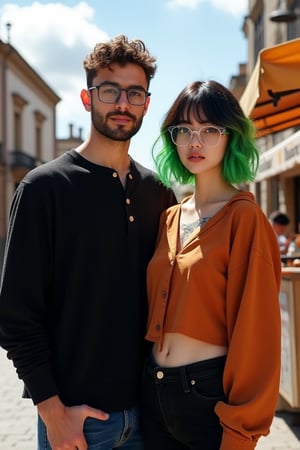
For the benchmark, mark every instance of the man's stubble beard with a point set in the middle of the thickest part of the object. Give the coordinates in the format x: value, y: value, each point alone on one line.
x: 119, y: 133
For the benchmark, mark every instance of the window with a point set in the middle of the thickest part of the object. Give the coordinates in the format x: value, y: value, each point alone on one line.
x: 39, y: 119
x: 259, y: 37
x: 293, y: 28
x: 18, y: 103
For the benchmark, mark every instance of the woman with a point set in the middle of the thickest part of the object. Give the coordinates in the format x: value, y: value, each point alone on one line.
x: 212, y: 379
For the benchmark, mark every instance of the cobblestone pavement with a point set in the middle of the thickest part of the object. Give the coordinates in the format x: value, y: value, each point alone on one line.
x: 18, y: 418
x: 17, y: 415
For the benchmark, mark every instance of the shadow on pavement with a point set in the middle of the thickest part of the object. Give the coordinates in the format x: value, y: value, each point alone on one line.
x: 292, y: 419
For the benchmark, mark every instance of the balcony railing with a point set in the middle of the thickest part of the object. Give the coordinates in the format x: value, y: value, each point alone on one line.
x: 18, y: 159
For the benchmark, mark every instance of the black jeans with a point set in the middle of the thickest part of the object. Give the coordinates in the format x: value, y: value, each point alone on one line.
x: 178, y: 405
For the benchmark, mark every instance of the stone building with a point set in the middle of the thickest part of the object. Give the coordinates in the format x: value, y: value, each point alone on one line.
x: 271, y: 97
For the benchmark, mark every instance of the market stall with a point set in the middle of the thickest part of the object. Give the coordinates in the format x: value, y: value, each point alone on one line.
x: 290, y: 320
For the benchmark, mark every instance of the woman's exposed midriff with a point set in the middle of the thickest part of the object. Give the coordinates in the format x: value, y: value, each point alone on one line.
x: 180, y: 350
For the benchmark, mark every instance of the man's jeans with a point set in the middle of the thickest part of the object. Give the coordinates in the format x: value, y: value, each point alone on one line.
x: 121, y: 430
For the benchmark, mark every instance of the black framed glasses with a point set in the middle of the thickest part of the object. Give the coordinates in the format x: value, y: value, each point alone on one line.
x: 209, y: 135
x: 111, y: 93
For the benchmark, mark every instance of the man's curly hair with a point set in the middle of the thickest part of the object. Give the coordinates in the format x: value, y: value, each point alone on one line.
x: 119, y: 50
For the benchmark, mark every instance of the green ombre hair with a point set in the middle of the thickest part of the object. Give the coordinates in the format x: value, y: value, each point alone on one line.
x: 218, y: 106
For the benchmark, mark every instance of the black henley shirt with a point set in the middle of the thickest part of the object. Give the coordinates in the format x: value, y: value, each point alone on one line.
x: 73, y: 298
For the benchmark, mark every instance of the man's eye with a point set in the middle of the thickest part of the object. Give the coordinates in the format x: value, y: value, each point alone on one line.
x: 135, y: 93
x: 111, y: 91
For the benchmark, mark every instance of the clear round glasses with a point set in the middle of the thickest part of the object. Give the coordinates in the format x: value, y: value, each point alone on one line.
x: 209, y: 135
x: 111, y: 93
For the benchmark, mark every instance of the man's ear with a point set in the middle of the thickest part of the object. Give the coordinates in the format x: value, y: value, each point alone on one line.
x: 146, y: 106
x: 86, y: 99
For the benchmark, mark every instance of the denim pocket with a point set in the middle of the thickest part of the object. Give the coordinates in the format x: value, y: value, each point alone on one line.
x: 209, y: 388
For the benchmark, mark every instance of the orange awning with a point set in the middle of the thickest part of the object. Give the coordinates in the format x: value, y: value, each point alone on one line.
x: 272, y: 95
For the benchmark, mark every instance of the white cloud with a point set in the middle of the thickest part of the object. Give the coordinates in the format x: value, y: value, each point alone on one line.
x: 54, y: 38
x: 234, y: 7
x: 190, y: 4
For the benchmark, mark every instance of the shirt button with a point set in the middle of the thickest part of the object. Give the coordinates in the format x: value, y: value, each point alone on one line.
x: 157, y: 327
x: 160, y: 375
x: 131, y: 219
x: 128, y: 201
x: 164, y: 294
x: 130, y: 176
x: 115, y: 175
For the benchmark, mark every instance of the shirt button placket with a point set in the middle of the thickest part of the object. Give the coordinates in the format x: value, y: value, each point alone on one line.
x: 131, y: 218
x: 160, y: 374
x: 164, y: 295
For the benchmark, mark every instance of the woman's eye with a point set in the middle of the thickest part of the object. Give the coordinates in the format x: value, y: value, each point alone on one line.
x: 183, y: 130
x: 211, y: 130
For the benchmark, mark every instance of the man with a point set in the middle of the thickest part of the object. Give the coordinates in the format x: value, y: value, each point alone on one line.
x: 73, y: 295
x: 280, y: 222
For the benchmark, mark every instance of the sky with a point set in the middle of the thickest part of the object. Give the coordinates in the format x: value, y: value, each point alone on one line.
x: 191, y: 39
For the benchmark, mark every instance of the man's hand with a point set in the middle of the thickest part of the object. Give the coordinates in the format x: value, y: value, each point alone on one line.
x: 65, y: 424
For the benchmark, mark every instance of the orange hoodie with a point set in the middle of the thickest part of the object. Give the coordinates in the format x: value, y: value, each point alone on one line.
x: 223, y: 288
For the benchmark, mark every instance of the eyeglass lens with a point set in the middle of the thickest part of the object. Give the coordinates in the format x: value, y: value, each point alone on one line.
x: 208, y: 136
x: 109, y: 93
